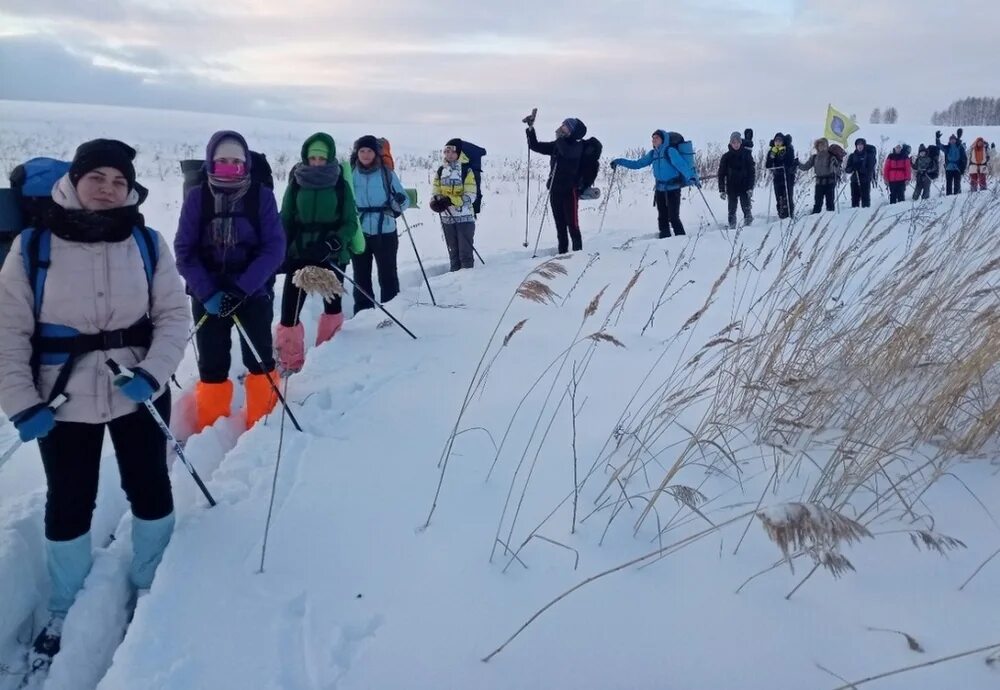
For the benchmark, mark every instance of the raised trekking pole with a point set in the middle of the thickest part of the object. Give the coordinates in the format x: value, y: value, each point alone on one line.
x: 171, y: 439
x: 419, y: 260
x: 344, y: 276
x: 530, y: 121
x: 260, y: 363
x: 9, y: 453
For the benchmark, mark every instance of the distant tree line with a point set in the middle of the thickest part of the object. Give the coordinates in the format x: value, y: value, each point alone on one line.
x: 889, y: 117
x: 969, y: 111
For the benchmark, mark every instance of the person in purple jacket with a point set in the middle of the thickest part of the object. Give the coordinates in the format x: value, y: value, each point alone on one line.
x: 229, y: 245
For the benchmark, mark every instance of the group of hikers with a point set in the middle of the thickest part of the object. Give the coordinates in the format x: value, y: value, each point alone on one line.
x: 96, y: 312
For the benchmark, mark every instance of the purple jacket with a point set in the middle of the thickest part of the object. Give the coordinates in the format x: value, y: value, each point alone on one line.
x: 250, y: 265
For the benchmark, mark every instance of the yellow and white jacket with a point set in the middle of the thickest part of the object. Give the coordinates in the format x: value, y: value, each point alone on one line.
x: 462, y: 192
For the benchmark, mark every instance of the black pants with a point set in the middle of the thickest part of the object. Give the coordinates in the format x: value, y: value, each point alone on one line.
x: 743, y: 199
x: 824, y: 192
x: 215, y: 344
x: 566, y: 214
x: 292, y: 298
x: 953, y: 181
x: 71, y: 456
x: 382, y: 250
x: 861, y: 192
x: 668, y: 212
x: 897, y: 192
x: 784, y: 195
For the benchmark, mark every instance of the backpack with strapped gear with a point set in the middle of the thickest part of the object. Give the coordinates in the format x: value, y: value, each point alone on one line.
x: 590, y: 165
x: 686, y: 149
x: 196, y: 175
x: 934, y: 153
x: 838, y: 152
x: 386, y: 152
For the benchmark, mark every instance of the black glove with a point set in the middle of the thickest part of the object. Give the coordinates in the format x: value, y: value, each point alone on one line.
x: 399, y: 197
x: 440, y: 204
x: 937, y: 134
x: 232, y: 300
x: 614, y: 164
x: 959, y: 133
x: 318, y: 252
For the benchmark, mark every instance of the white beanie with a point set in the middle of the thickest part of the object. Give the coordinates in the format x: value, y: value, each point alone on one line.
x: 229, y: 147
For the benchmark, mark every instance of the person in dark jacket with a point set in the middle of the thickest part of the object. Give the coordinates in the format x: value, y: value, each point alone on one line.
x: 229, y: 266
x: 827, y: 167
x: 922, y: 165
x: 955, y: 161
x: 737, y: 176
x: 861, y: 167
x: 564, y: 155
x: 321, y: 224
x: 782, y: 163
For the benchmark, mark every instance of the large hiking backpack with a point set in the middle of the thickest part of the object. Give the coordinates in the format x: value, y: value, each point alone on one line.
x: 196, y: 175
x: 475, y: 155
x: 934, y: 153
x: 837, y: 151
x: 386, y: 153
x: 871, y: 159
x: 686, y: 149
x: 590, y: 163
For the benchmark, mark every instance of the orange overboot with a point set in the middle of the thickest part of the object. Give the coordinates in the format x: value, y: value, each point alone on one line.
x: 212, y: 400
x: 260, y: 396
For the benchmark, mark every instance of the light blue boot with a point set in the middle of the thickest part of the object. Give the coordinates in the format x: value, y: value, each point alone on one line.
x: 149, y: 541
x: 68, y: 563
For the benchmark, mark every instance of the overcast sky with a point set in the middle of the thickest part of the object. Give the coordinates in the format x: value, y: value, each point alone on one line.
x: 435, y: 62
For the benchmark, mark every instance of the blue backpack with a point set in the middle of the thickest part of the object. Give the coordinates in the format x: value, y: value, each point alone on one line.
x: 54, y: 344
x: 686, y: 149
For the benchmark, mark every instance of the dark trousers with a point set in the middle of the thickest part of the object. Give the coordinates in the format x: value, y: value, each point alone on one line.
x: 784, y: 195
x: 566, y: 214
x: 668, y: 212
x: 922, y: 187
x: 824, y: 192
x: 215, y: 344
x: 380, y: 250
x: 897, y: 192
x: 292, y: 298
x: 459, y: 238
x: 71, y: 456
x: 743, y: 200
x: 861, y: 192
x: 953, y: 182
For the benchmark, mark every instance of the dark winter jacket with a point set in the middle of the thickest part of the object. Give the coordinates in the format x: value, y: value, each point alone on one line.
x: 564, y: 158
x: 312, y: 215
x: 781, y: 160
x: 860, y: 163
x: 922, y: 165
x: 246, y: 261
x: 737, y: 171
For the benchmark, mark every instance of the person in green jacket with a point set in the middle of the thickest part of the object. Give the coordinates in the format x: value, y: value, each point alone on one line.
x: 320, y: 217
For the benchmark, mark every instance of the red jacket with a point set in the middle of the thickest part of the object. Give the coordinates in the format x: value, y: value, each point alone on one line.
x: 897, y: 169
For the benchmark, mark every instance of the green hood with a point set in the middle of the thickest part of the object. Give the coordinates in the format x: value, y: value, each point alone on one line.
x: 326, y: 139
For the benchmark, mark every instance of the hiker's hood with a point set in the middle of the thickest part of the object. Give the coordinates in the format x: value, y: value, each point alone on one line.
x: 323, y: 138
x: 213, y: 144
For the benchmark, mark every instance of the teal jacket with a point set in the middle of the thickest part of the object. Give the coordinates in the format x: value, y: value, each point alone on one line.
x: 670, y: 168
x: 378, y: 192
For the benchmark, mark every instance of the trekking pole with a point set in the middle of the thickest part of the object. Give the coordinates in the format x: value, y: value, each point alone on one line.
x: 260, y: 363
x: 9, y: 453
x: 371, y: 299
x: 471, y: 245
x: 710, y: 211
x: 607, y: 199
x: 197, y: 327
x: 545, y: 214
x: 171, y: 439
x: 419, y: 261
x: 527, y: 201
x: 274, y: 485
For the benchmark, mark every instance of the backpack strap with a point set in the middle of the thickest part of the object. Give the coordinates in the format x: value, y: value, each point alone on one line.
x: 36, y: 253
x: 149, y: 249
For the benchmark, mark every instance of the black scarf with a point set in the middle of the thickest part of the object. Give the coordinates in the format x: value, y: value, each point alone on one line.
x: 90, y: 227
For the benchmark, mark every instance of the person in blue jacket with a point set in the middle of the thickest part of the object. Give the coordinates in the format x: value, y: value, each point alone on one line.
x: 672, y: 172
x: 955, y: 161
x: 381, y: 199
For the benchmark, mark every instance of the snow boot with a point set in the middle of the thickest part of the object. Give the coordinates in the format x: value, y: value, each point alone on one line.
x: 212, y: 400
x: 68, y: 564
x: 260, y: 396
x: 45, y: 647
x: 149, y: 541
x: 290, y: 347
x: 329, y: 324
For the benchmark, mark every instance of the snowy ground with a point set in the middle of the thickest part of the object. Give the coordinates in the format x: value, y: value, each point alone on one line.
x: 357, y: 594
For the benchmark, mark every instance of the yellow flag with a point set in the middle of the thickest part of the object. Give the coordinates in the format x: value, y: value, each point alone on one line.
x: 839, y: 127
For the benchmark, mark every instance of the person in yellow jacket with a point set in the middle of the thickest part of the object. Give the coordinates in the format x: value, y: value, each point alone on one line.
x: 454, y: 198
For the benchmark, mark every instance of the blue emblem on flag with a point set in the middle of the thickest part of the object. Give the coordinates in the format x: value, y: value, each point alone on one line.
x: 837, y: 125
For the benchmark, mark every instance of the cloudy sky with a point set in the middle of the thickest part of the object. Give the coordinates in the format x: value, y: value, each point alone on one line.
x: 485, y: 61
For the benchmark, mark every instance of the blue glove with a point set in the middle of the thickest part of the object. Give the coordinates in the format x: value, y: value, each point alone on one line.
x: 35, y: 422
x: 214, y: 303
x: 139, y: 387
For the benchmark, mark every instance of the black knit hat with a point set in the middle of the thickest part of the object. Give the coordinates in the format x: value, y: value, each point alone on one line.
x: 100, y: 153
x: 457, y: 143
x: 368, y: 141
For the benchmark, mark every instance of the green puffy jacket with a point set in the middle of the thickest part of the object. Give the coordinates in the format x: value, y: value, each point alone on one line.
x: 316, y: 215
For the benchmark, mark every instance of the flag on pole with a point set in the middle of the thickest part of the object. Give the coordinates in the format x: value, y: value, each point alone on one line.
x: 839, y: 127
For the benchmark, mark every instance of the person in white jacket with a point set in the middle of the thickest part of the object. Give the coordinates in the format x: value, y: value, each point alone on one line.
x: 109, y: 290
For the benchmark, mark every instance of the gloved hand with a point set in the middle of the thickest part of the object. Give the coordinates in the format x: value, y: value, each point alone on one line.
x: 139, y: 387
x: 959, y: 133
x: 399, y: 198
x: 223, y: 303
x: 318, y: 252
x: 440, y: 204
x: 614, y: 164
x: 213, y: 303
x: 35, y: 422
x: 722, y: 195
x: 937, y: 134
